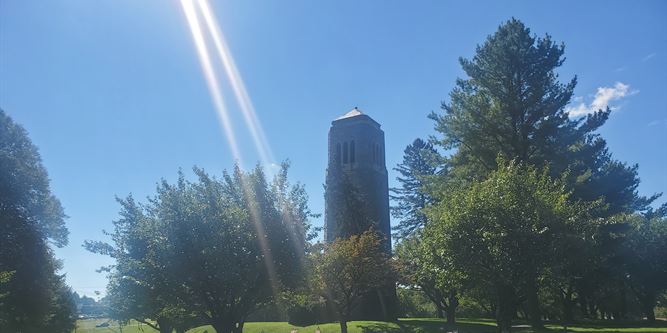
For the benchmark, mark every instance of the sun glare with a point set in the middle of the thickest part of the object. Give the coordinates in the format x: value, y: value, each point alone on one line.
x: 237, y: 84
x: 251, y: 120
x: 203, y: 24
x: 210, y: 76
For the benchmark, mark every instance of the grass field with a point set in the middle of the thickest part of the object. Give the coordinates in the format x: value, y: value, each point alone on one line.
x: 406, y: 325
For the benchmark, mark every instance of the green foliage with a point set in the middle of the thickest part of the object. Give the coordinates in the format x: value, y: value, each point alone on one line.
x: 211, y: 250
x: 406, y: 325
x: 421, y: 266
x: 416, y: 170
x: 414, y: 304
x: 645, y: 257
x: 351, y: 267
x: 503, y: 232
x: 24, y: 185
x: 89, y: 307
x: 32, y: 295
x: 512, y: 105
x: 352, y: 214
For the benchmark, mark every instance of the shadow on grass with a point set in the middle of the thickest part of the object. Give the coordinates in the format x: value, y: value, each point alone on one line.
x: 380, y: 328
x: 604, y: 324
x: 423, y: 326
x: 427, y: 326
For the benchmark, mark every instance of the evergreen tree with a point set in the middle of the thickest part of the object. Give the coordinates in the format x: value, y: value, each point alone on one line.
x: 513, y: 105
x: 417, y: 168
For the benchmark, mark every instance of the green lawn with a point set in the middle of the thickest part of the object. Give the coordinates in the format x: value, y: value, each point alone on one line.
x: 406, y: 325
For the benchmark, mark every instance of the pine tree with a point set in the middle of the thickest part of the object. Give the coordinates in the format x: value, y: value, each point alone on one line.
x: 513, y: 105
x: 411, y: 197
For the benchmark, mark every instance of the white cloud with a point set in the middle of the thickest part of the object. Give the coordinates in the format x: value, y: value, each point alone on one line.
x: 658, y: 122
x: 602, y: 98
x: 648, y: 57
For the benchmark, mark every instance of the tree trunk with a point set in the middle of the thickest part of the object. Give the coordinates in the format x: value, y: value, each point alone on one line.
x: 648, y: 305
x: 568, y: 305
x: 452, y: 304
x: 223, y: 326
x: 343, y: 326
x: 165, y: 326
x: 533, y: 306
x: 650, y: 315
x: 505, y: 308
x: 583, y: 305
x: 622, y: 312
x: 451, y: 317
x: 568, y: 311
x: 504, y: 324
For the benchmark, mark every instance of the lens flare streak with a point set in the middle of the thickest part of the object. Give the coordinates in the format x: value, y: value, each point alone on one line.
x: 210, y: 76
x: 251, y: 120
x: 237, y: 84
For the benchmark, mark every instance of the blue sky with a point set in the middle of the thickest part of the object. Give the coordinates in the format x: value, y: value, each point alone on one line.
x: 112, y: 92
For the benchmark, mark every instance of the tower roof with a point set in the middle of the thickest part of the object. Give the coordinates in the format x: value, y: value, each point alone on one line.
x: 352, y: 113
x: 354, y: 116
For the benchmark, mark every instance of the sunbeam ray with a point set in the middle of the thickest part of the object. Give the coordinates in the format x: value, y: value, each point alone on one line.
x: 210, y: 76
x: 238, y: 86
x: 246, y: 107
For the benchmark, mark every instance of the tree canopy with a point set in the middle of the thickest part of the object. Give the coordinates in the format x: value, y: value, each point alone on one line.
x: 32, y: 294
x: 512, y: 105
x: 419, y: 166
x: 211, y: 251
x: 503, y: 232
x: 350, y: 268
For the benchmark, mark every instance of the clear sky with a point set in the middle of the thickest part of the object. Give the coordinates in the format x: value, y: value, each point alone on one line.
x: 112, y: 92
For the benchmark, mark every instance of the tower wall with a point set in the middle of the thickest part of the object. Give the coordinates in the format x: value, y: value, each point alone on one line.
x: 363, y: 167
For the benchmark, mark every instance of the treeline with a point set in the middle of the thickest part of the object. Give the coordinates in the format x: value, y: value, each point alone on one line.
x: 88, y: 307
x: 217, y: 251
x: 33, y: 296
x: 512, y: 210
x: 528, y: 215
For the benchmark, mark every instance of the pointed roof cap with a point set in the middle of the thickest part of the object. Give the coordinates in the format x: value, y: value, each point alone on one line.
x: 352, y: 113
x: 355, y: 116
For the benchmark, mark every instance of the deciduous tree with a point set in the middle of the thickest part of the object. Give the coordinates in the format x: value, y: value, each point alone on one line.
x: 503, y: 232
x: 645, y: 257
x: 31, y: 219
x: 428, y: 268
x: 351, y: 267
x: 217, y: 248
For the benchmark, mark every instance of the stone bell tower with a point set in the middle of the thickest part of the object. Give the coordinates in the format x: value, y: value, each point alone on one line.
x: 357, y: 168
